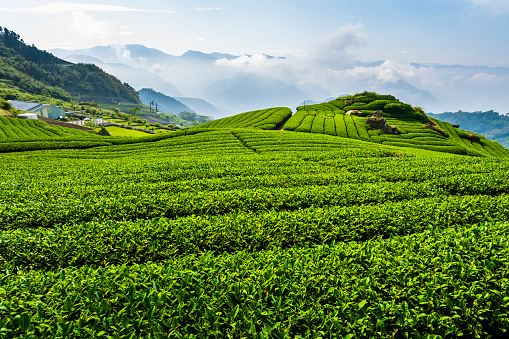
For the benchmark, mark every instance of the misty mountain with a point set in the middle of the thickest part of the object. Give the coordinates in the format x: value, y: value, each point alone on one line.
x: 141, y: 56
x: 246, y: 91
x: 203, y: 107
x: 408, y: 93
x: 244, y: 82
x: 165, y: 103
x: 132, y: 55
x: 204, y: 57
x: 136, y: 77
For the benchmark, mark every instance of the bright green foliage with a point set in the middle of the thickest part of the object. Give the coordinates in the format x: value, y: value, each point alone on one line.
x: 295, y: 121
x: 318, y: 124
x: 339, y: 120
x: 361, y: 125
x: 253, y: 233
x: 409, y: 121
x: 306, y: 124
x: 263, y: 119
x: 329, y: 126
x: 245, y: 232
x: 351, y: 129
x: 11, y: 128
x: 329, y: 118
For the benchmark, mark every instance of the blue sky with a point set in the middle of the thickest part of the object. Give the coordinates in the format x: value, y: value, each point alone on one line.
x: 470, y: 32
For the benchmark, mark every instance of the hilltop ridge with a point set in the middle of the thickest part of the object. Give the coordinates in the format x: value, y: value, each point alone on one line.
x: 348, y: 117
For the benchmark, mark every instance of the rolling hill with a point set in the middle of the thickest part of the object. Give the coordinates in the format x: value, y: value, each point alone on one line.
x: 216, y: 232
x: 349, y: 117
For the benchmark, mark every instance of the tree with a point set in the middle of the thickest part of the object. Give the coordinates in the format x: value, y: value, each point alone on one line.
x: 135, y: 110
x: 188, y: 116
x: 91, y: 123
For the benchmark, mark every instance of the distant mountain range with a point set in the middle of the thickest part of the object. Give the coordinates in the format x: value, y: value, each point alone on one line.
x: 244, y: 82
x: 198, y: 77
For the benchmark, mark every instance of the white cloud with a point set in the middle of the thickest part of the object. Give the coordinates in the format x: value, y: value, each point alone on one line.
x: 122, y: 52
x: 61, y: 8
x: 484, y: 77
x: 86, y: 28
x: 336, y: 49
x: 497, y: 6
x: 254, y: 61
x: 207, y: 9
x: 389, y: 71
x: 156, y: 68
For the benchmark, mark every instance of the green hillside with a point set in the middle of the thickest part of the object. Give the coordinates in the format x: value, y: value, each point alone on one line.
x: 27, y: 69
x: 361, y: 217
x: 267, y: 119
x: 244, y: 233
x: 492, y: 125
x: 12, y: 129
x: 348, y: 117
x: 416, y: 128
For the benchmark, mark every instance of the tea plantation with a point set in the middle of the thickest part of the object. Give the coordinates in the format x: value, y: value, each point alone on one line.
x: 219, y: 231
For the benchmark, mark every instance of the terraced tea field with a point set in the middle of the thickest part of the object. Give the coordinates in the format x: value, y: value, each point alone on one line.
x: 247, y: 233
x: 333, y: 118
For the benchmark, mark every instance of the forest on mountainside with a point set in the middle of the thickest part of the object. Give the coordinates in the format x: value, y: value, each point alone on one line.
x: 39, y: 72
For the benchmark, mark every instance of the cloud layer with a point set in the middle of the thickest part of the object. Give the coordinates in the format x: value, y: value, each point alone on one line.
x: 497, y: 6
x: 62, y: 7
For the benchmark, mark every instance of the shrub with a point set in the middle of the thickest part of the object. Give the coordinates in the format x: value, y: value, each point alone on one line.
x: 5, y: 105
x: 377, y: 105
x: 398, y: 108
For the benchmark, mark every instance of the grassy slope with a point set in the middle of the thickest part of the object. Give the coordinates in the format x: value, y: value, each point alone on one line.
x: 238, y: 232
x: 123, y: 132
x: 330, y: 118
x: 243, y: 232
x: 266, y: 119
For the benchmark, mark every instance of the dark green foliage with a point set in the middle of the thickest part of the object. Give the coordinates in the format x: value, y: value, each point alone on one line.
x: 261, y: 119
x: 103, y: 132
x: 398, y: 109
x: 39, y: 72
x: 5, y: 105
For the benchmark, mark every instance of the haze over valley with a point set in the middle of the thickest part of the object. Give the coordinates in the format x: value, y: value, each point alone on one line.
x: 239, y: 83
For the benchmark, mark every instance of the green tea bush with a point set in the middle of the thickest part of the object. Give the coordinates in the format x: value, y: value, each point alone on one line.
x: 398, y: 109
